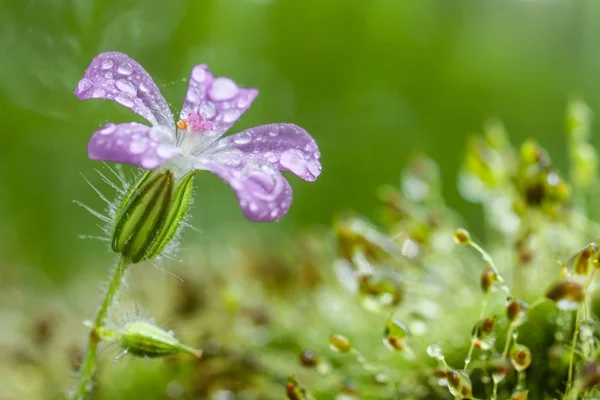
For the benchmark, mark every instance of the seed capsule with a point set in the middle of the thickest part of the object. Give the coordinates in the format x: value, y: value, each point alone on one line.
x: 583, y: 261
x: 488, y: 279
x: 516, y: 312
x: 459, y: 384
x: 293, y: 389
x: 309, y: 358
x: 395, y: 335
x: 461, y: 236
x: 339, y: 344
x: 566, y: 294
x: 520, y: 357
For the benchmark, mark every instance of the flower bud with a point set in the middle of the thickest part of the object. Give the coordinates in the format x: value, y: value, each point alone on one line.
x: 144, y: 339
x: 150, y: 214
x: 520, y: 357
x: 583, y: 261
x: 339, y: 344
x: 461, y: 236
x: 566, y: 294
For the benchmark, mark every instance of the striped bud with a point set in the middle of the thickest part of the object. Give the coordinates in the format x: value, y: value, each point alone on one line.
x: 150, y: 214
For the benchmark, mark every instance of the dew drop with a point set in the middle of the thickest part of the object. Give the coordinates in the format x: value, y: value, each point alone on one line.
x: 84, y: 85
x: 198, y: 73
x: 108, y: 129
x: 144, y: 87
x: 435, y: 351
x: 293, y: 159
x: 271, y: 157
x: 107, y: 64
x: 274, y: 213
x: 314, y: 168
x: 150, y: 162
x: 244, y: 102
x: 125, y: 69
x: 98, y: 93
x: 317, y: 154
x: 243, y: 138
x: 124, y: 99
x: 273, y: 133
x: 193, y: 95
x: 253, y: 207
x: 108, y: 75
x: 126, y: 87
x: 231, y: 115
x: 223, y: 89
x: 138, y: 146
x: 208, y: 110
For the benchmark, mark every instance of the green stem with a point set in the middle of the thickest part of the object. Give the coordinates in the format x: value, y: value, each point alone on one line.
x: 88, y: 367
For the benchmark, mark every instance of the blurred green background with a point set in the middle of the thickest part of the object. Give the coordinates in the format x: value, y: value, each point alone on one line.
x: 373, y: 81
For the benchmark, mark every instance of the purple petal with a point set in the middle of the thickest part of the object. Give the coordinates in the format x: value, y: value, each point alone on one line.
x: 286, y: 146
x: 132, y: 143
x: 117, y: 77
x: 219, y: 100
x: 263, y: 193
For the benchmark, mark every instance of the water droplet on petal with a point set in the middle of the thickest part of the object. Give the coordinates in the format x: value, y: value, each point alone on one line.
x: 293, y: 159
x: 107, y: 64
x: 208, y: 109
x: 126, y: 86
x: 198, y: 73
x: 144, y: 87
x: 108, y: 129
x: 243, y: 138
x: 314, y: 168
x: 244, y: 101
x: 150, y: 162
x: 253, y: 207
x: 108, y: 75
x: 273, y: 133
x: 231, y: 115
x: 274, y: 213
x: 138, y: 146
x: 223, y: 89
x: 98, y: 93
x: 84, y: 85
x: 125, y: 99
x: 193, y: 95
x: 271, y: 157
x: 317, y: 154
x: 125, y: 69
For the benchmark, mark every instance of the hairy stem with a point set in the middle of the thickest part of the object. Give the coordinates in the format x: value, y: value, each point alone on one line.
x: 88, y: 367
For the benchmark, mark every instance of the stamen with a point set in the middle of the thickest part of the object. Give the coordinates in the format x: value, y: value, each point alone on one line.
x: 182, y: 124
x: 198, y: 123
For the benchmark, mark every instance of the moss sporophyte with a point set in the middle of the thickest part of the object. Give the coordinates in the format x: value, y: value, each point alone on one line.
x: 151, y: 210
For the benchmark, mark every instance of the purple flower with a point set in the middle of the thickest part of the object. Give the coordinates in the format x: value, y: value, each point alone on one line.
x: 248, y: 161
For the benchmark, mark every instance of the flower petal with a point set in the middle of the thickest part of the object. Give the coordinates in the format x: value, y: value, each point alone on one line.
x: 115, y: 76
x: 286, y: 146
x: 220, y: 100
x: 263, y: 193
x: 132, y: 143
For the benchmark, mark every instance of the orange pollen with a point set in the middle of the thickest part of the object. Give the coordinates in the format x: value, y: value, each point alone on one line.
x: 182, y: 124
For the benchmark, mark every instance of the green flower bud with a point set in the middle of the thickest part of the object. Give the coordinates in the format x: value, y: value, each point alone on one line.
x: 459, y: 384
x: 293, y: 389
x: 395, y: 335
x: 144, y: 339
x: 150, y: 214
x: 461, y: 236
